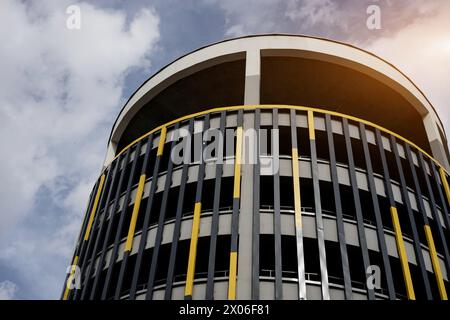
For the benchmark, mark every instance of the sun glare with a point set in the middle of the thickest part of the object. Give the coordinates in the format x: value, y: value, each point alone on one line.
x: 447, y: 45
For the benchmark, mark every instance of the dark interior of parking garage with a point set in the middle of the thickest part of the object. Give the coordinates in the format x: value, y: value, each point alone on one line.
x: 284, y: 80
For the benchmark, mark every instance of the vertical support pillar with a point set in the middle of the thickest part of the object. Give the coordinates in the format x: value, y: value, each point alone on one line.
x: 232, y: 274
x: 318, y: 209
x: 436, y: 143
x: 190, y: 274
x: 297, y: 210
x: 251, y: 96
x: 215, y: 217
x: 252, y: 77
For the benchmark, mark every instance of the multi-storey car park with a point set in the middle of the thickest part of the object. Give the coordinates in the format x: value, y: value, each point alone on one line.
x: 362, y: 181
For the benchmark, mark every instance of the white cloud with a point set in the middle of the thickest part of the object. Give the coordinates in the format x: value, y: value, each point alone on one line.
x: 310, y: 13
x: 247, y: 17
x: 60, y: 92
x: 278, y: 16
x: 414, y: 36
x: 422, y: 51
x: 8, y: 290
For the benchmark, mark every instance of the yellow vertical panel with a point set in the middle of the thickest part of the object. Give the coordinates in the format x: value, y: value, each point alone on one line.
x: 69, y: 279
x: 296, y: 180
x: 94, y: 207
x: 162, y: 140
x: 193, y: 250
x: 232, y: 276
x: 312, y: 133
x: 134, y: 216
x: 435, y: 263
x: 237, y: 164
x: 402, y: 254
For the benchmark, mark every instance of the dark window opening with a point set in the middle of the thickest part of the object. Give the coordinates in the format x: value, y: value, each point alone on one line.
x: 201, y: 263
x: 340, y: 149
x: 226, y: 192
x: 322, y: 145
x: 437, y: 238
x: 334, y: 263
x: 367, y: 207
x: 113, y: 280
x: 162, y: 264
x: 266, y: 192
x: 127, y: 175
x: 303, y: 143
x: 348, y: 203
x: 97, y: 293
x: 222, y: 258
x: 289, y: 263
x: 433, y: 285
x: 404, y: 221
x: 128, y: 275
x: 358, y: 153
x: 392, y: 166
x: 417, y: 281
x: 126, y: 221
x: 422, y: 181
x: 208, y: 195
x: 151, y: 163
x: 189, y: 198
x: 138, y: 169
x: 285, y: 140
x: 407, y: 174
x: 156, y: 208
x: 102, y: 234
x: 327, y: 198
x: 172, y: 202
x: 165, y: 157
x: 286, y: 193
x: 419, y: 224
x: 385, y: 212
x: 312, y: 260
x: 144, y: 269
x: 267, y: 256
x: 356, y: 264
x: 181, y: 262
x: 307, y: 194
x: 114, y: 228
x: 374, y: 154
x: 141, y: 215
x: 105, y: 191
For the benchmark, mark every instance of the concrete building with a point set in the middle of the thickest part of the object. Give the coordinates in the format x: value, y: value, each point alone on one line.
x: 348, y: 197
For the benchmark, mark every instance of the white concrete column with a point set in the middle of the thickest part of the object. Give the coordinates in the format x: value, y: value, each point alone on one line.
x: 252, y: 85
x: 436, y: 143
x: 110, y: 153
x: 252, y: 76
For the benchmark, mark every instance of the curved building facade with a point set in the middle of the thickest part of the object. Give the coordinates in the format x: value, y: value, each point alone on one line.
x: 270, y: 167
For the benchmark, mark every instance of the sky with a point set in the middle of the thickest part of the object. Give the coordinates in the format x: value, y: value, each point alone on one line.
x: 61, y: 90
